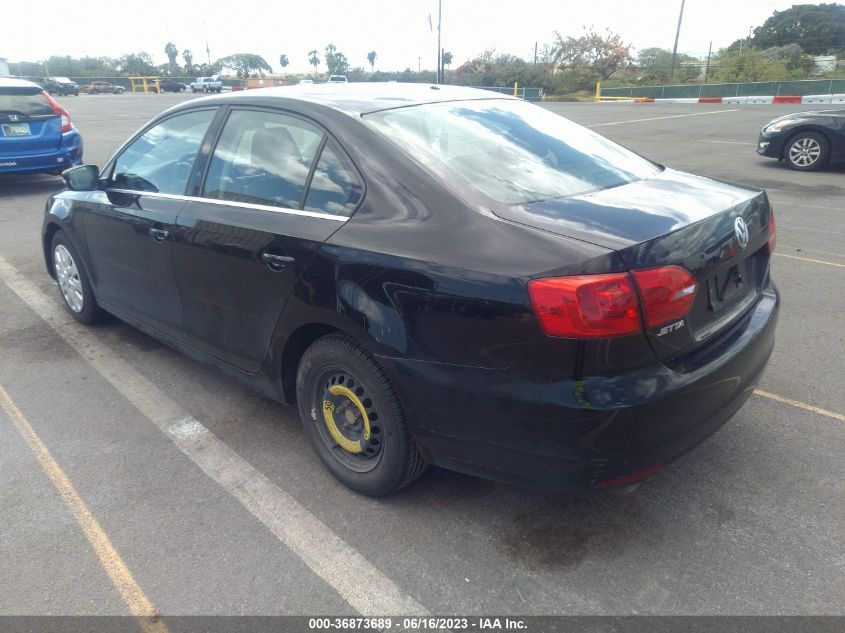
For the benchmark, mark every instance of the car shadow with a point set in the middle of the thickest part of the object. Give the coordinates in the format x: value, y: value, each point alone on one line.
x: 21, y: 185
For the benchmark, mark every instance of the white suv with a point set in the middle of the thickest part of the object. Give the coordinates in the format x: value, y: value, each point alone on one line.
x: 337, y: 79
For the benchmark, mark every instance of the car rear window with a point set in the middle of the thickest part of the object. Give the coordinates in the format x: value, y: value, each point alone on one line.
x: 24, y: 102
x: 513, y: 152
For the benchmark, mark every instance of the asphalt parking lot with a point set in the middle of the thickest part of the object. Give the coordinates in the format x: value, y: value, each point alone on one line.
x: 208, y: 500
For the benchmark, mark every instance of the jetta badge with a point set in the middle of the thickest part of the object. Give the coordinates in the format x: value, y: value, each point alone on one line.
x: 741, y: 231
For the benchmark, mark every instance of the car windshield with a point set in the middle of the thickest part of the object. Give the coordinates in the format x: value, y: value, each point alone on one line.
x: 510, y: 151
x: 24, y: 101
x: 62, y: 80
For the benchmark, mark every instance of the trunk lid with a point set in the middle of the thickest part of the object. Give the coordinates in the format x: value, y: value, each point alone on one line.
x: 674, y: 219
x: 28, y: 123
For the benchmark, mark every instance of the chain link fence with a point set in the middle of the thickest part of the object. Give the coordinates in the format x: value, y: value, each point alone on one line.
x: 748, y: 89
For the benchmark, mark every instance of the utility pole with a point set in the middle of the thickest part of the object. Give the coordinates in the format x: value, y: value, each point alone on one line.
x: 707, y: 68
x: 419, y: 65
x: 535, y: 53
x: 207, y: 50
x: 677, y: 35
x: 439, y: 51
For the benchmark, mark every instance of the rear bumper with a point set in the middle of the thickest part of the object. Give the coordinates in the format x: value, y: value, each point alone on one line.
x: 67, y: 155
x: 530, y: 430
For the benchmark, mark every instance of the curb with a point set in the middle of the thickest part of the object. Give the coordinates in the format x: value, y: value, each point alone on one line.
x: 761, y: 100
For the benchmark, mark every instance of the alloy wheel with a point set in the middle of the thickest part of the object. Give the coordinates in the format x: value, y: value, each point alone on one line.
x: 805, y: 151
x: 67, y: 275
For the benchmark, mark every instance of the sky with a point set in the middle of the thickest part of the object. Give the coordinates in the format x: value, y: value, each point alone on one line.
x: 398, y: 30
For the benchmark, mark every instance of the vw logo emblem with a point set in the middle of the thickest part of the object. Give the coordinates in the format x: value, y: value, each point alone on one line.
x: 14, y: 117
x: 741, y: 232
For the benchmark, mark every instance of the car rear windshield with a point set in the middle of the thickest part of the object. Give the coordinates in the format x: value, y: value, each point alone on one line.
x: 24, y: 101
x: 511, y: 151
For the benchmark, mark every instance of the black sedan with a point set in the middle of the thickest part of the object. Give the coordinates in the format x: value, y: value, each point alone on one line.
x: 168, y: 85
x: 431, y: 275
x: 807, y: 140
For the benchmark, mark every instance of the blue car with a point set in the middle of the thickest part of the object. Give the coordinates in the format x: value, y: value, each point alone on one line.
x: 36, y: 134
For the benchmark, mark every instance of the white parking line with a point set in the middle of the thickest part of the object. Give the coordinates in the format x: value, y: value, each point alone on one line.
x: 359, y: 583
x: 812, y: 261
x: 659, y: 118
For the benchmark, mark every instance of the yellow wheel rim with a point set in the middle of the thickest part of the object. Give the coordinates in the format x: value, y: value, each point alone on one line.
x: 351, y: 446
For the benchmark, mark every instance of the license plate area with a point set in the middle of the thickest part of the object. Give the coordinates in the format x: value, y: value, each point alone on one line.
x: 728, y: 287
x: 15, y: 129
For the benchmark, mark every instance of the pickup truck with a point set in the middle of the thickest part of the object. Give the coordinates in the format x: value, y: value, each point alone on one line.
x: 207, y: 84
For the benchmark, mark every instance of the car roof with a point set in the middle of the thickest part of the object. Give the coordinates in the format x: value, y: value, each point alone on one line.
x: 363, y: 97
x: 11, y: 82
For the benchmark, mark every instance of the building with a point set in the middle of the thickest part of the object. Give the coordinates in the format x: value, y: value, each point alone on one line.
x: 4, y: 67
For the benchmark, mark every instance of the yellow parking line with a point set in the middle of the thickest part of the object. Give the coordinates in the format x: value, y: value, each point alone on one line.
x: 800, y: 405
x: 112, y: 563
x: 814, y: 261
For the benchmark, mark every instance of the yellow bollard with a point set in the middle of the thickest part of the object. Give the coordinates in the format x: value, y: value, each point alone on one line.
x: 598, y: 91
x: 515, y: 87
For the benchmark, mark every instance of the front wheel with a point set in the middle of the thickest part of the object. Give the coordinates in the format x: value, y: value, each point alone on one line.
x: 807, y: 151
x: 353, y: 418
x: 74, y: 285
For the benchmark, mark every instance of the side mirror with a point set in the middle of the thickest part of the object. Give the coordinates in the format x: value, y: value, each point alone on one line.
x: 82, y: 178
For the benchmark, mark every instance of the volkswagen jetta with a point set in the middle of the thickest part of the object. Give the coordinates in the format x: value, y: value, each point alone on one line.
x: 432, y: 275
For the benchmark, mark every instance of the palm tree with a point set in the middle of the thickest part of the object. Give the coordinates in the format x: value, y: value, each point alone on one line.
x: 371, y: 57
x: 188, y: 56
x: 284, y: 61
x: 314, y: 60
x: 171, y: 51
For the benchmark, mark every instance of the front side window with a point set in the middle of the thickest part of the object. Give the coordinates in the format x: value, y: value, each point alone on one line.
x: 510, y: 151
x: 262, y: 158
x: 161, y: 159
x: 334, y: 188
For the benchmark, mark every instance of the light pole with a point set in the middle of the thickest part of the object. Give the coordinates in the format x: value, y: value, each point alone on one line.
x: 677, y: 35
x: 439, y: 22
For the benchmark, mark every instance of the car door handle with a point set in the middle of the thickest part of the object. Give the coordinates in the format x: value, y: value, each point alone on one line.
x: 277, y: 262
x: 159, y: 234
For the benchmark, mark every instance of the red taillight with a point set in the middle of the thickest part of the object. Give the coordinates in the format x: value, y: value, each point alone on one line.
x: 602, y: 306
x: 60, y: 112
x: 667, y: 293
x: 586, y: 306
x: 773, y: 238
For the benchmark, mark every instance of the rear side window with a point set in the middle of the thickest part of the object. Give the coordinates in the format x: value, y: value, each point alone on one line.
x: 24, y: 102
x: 510, y: 151
x: 334, y: 188
x: 161, y: 159
x: 262, y: 158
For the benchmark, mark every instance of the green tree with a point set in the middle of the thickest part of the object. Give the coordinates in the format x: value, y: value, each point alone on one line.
x: 171, y: 51
x: 749, y: 65
x: 244, y: 64
x: 137, y: 64
x: 188, y: 56
x: 314, y: 60
x: 371, y: 57
x: 816, y: 28
x: 656, y: 67
x: 447, y: 58
x: 336, y: 62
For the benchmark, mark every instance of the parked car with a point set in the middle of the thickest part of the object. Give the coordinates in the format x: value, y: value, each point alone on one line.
x: 807, y: 141
x: 306, y: 82
x: 337, y: 79
x: 61, y: 86
x: 208, y: 84
x: 103, y: 87
x: 432, y: 275
x: 168, y: 85
x: 36, y: 134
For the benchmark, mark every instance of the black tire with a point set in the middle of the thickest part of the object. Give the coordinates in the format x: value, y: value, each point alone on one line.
x: 335, y: 361
x: 807, y: 151
x: 182, y: 89
x: 90, y: 312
